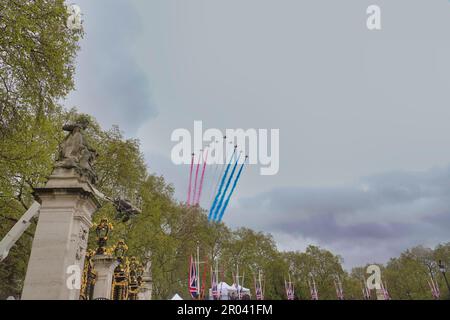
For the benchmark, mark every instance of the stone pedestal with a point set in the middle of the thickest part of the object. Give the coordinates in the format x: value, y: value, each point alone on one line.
x: 145, y: 292
x: 60, y: 240
x: 104, y: 266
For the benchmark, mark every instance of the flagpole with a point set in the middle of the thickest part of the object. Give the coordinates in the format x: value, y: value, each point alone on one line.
x: 219, y: 295
x: 316, y: 295
x: 212, y: 283
x: 198, y: 272
x: 255, y: 283
x: 260, y: 284
x: 237, y: 281
x: 243, y: 278
x: 218, y: 276
x: 287, y: 288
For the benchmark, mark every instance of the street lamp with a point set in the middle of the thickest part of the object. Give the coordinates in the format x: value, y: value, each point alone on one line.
x: 134, y: 279
x: 102, y: 231
x: 120, y: 249
x: 442, y: 269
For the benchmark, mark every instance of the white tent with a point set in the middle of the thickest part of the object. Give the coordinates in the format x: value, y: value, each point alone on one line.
x: 242, y: 290
x: 176, y: 297
x: 225, y: 291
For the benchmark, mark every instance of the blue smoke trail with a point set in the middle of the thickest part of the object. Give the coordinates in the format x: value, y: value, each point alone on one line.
x: 222, y: 181
x: 232, y: 190
x: 217, y: 178
x: 226, y: 188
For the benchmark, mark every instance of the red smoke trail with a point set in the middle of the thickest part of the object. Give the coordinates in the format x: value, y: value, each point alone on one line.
x: 196, y: 176
x: 190, y: 182
x: 202, y: 178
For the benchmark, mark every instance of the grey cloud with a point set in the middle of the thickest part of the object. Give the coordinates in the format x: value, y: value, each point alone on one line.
x: 390, y: 211
x: 110, y: 83
x: 326, y: 228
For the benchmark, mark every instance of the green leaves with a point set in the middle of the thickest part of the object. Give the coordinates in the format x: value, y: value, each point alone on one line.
x: 37, y: 53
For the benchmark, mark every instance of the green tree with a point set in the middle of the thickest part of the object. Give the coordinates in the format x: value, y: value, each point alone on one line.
x: 406, y: 278
x: 37, y: 53
x: 318, y: 263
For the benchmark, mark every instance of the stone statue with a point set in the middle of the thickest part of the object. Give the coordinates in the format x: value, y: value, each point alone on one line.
x: 75, y: 151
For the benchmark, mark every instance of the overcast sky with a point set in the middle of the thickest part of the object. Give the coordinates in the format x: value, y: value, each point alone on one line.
x: 363, y: 115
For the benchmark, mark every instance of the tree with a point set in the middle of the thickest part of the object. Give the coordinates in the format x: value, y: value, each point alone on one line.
x: 442, y: 252
x: 37, y: 53
x: 407, y: 278
x: 253, y: 251
x: 319, y: 263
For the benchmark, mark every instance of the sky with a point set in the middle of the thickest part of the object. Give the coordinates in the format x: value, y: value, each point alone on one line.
x: 363, y: 115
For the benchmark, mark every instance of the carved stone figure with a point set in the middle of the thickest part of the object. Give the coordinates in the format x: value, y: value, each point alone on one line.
x: 75, y: 151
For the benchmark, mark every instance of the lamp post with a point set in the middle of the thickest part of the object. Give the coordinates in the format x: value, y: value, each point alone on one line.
x: 89, y: 277
x: 442, y: 268
x: 121, y: 272
x: 102, y: 231
x: 135, y: 278
x: 120, y: 250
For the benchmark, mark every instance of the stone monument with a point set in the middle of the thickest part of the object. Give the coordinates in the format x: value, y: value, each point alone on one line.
x: 67, y: 204
x: 145, y: 292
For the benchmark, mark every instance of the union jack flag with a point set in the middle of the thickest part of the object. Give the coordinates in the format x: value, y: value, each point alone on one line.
x: 203, y: 282
x: 290, y: 292
x: 313, y: 289
x: 339, y: 289
x: 258, y: 290
x: 365, y: 290
x: 385, y: 292
x: 193, y: 280
x: 214, y: 287
x: 434, y: 286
